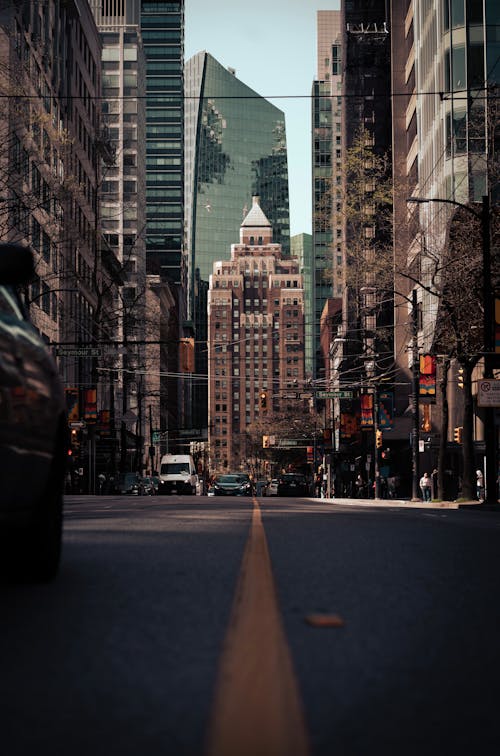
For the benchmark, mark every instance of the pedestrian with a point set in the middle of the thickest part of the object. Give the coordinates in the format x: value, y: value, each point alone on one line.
x: 434, y: 483
x: 102, y: 482
x: 317, y: 486
x: 479, y: 485
x: 391, y: 486
x: 360, y: 487
x: 425, y: 486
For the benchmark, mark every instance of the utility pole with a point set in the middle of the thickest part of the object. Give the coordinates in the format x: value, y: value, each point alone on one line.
x: 415, y: 473
x: 376, y: 452
x: 490, y: 440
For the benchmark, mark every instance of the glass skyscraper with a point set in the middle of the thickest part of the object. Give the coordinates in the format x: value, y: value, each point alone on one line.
x: 326, y: 274
x: 235, y: 148
x: 162, y: 25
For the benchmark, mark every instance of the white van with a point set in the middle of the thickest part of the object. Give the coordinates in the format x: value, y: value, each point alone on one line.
x: 177, y: 474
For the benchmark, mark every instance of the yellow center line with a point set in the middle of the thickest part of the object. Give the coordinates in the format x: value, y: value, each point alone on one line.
x: 257, y: 709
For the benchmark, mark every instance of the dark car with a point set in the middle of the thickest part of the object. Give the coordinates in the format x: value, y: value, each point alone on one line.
x: 148, y: 486
x: 131, y: 484
x: 232, y: 484
x: 292, y: 484
x: 33, y: 433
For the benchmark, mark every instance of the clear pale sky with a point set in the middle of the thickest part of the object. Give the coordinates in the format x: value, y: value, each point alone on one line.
x: 272, y: 46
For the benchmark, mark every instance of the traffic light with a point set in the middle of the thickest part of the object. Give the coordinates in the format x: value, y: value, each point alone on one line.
x: 263, y: 400
x: 265, y: 442
x: 378, y: 439
x: 74, y: 443
x: 457, y: 435
x: 460, y: 377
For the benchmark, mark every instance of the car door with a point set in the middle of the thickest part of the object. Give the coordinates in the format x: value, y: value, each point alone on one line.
x: 31, y: 400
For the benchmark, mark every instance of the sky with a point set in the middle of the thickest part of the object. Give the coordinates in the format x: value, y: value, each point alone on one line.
x: 272, y: 46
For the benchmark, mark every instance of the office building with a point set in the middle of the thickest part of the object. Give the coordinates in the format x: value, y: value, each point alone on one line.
x: 255, y: 344
x: 235, y: 147
x: 123, y: 211
x: 445, y: 66
x: 162, y: 28
x: 326, y: 272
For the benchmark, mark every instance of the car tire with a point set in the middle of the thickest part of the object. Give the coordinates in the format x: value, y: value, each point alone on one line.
x: 33, y: 553
x: 43, y: 542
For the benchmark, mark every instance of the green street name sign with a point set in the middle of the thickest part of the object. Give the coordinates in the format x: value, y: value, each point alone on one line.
x: 334, y: 394
x: 62, y: 351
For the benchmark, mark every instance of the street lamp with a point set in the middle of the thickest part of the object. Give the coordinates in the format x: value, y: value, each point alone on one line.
x: 483, y: 215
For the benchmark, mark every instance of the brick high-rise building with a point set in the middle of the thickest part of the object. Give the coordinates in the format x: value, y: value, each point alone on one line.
x: 255, y: 342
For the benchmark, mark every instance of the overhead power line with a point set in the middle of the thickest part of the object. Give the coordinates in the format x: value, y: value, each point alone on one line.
x: 462, y: 95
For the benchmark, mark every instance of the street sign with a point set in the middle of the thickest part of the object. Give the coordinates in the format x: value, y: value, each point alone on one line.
x: 129, y: 417
x: 488, y: 393
x: 335, y: 394
x: 77, y: 424
x: 62, y: 351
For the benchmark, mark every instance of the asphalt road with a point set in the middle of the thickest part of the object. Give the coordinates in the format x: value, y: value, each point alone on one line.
x: 304, y: 626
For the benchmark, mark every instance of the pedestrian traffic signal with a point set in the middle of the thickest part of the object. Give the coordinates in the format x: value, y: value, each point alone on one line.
x: 263, y: 400
x: 457, y: 435
x: 378, y: 439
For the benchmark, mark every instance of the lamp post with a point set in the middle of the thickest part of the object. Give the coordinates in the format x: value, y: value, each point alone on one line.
x: 483, y: 215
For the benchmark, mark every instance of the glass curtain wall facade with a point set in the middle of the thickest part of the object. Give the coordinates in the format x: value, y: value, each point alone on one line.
x: 235, y: 148
x: 326, y: 271
x: 162, y: 25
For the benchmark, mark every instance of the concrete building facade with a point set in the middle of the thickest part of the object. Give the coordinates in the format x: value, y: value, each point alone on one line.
x: 445, y: 66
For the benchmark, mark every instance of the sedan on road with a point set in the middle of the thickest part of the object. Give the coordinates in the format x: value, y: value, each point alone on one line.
x: 232, y: 484
x: 148, y: 486
x: 131, y: 483
x: 33, y: 432
x: 292, y: 484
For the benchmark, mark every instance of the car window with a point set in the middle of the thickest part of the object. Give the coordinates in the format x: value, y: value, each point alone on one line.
x: 173, y: 468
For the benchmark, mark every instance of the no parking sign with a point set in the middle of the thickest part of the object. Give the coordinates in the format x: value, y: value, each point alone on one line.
x: 488, y: 393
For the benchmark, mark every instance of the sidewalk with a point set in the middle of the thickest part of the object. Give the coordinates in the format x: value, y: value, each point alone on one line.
x: 401, y: 503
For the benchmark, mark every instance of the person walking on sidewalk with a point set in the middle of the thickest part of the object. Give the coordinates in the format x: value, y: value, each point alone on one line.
x: 479, y: 485
x: 425, y: 486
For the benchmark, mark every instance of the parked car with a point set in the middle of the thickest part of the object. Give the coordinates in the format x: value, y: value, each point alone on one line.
x: 131, y: 484
x: 292, y: 484
x: 232, y: 484
x: 148, y: 486
x: 272, y: 487
x: 33, y: 433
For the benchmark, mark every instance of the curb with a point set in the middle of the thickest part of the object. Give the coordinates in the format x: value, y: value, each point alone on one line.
x: 400, y: 503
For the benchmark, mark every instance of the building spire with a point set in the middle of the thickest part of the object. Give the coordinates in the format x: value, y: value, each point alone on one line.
x: 256, y: 218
